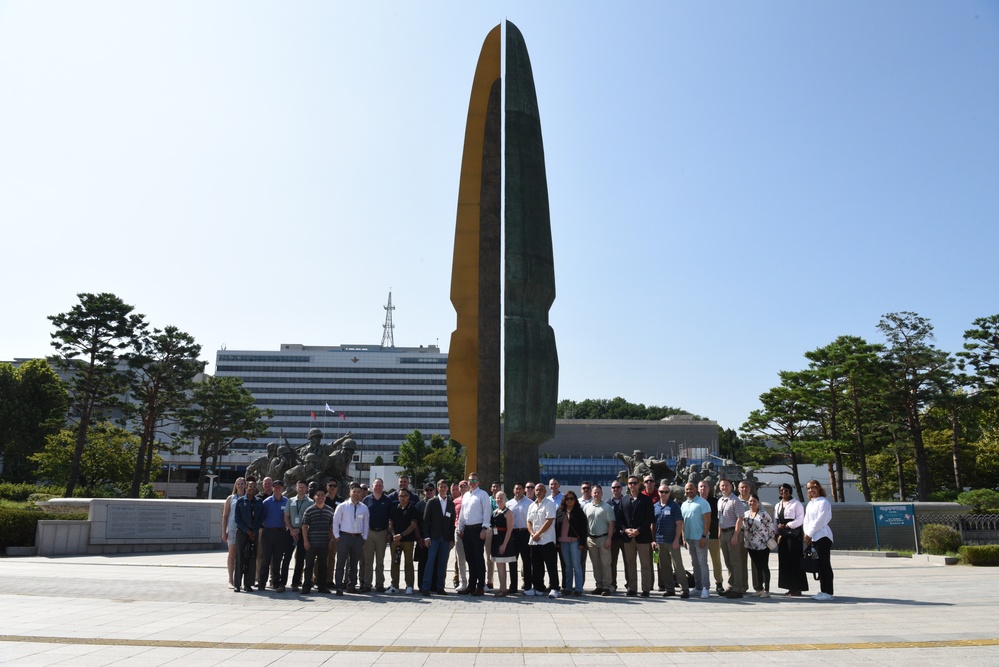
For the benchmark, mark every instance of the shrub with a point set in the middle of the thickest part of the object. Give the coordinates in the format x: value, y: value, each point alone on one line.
x: 939, y: 539
x: 40, y: 497
x: 947, y: 496
x: 985, y: 554
x: 980, y: 499
x: 21, y: 492
x: 17, y: 527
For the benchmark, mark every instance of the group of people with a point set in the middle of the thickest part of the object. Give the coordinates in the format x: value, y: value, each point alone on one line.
x: 536, y: 542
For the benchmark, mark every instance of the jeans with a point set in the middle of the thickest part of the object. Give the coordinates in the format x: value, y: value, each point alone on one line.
x: 699, y: 563
x: 436, y: 562
x: 572, y: 575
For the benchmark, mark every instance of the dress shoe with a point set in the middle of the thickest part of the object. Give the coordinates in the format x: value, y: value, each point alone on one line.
x: 477, y: 592
x: 339, y: 591
x: 597, y: 591
x: 645, y: 594
x: 463, y: 591
x: 365, y: 589
x: 425, y: 594
x: 685, y: 595
x: 440, y: 591
x: 633, y: 594
x: 279, y: 589
x: 235, y: 589
x: 325, y: 590
x: 605, y: 593
x: 733, y: 595
x: 306, y: 590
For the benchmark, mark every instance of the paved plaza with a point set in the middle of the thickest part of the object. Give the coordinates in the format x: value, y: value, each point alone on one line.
x: 166, y: 609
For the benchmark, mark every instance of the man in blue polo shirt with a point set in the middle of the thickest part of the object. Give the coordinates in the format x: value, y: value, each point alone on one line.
x: 696, y: 514
x: 274, y: 540
x: 669, y: 533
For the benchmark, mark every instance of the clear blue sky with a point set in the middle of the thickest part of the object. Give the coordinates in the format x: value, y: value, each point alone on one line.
x: 732, y: 184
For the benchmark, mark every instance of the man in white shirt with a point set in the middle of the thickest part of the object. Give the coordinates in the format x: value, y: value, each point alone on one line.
x: 350, y: 529
x: 473, y: 524
x: 541, y: 526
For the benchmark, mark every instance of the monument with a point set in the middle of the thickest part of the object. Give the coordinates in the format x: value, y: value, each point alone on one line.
x: 530, y: 378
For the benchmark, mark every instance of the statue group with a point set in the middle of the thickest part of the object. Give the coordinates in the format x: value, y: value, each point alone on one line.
x: 312, y: 462
x: 660, y: 470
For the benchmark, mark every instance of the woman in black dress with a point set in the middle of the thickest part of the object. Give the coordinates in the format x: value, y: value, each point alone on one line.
x: 502, y: 550
x: 790, y: 515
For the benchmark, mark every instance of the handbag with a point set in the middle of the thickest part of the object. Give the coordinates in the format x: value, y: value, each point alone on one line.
x: 810, y: 562
x: 771, y: 544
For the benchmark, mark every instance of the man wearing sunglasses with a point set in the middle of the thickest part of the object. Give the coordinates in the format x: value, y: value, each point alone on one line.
x: 473, y: 524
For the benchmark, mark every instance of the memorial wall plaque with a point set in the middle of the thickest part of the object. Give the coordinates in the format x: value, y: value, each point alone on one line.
x: 155, y: 522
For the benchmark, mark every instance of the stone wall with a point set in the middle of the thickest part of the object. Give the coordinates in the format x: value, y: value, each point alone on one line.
x: 127, y: 525
x: 853, y: 526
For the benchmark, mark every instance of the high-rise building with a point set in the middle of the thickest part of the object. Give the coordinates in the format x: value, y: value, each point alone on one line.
x: 379, y: 393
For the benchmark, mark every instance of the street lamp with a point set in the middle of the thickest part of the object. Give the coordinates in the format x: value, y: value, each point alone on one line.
x: 211, y: 483
x: 169, y: 470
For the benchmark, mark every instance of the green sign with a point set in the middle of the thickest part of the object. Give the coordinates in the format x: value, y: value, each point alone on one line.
x: 894, y: 515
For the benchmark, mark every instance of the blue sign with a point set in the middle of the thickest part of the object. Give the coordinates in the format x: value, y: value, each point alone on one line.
x: 894, y: 515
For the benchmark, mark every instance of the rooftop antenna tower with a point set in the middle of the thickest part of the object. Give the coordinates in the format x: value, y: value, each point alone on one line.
x: 388, y: 337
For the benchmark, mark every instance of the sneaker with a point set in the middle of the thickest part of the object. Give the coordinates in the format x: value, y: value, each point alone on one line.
x: 530, y: 592
x: 392, y: 590
x: 409, y: 590
x: 764, y: 594
x: 704, y: 594
x: 822, y: 597
x: 488, y: 588
x: 553, y: 593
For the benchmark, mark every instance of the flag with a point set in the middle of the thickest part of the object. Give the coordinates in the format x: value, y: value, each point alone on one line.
x: 329, y: 409
x: 342, y: 417
x: 313, y: 415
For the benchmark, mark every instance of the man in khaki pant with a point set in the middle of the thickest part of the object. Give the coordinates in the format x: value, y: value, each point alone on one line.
x: 600, y: 520
x: 730, y: 513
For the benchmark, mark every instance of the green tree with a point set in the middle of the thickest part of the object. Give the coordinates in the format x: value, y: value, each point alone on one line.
x: 981, y: 353
x: 615, y: 408
x: 847, y: 380
x: 221, y: 412
x: 429, y: 461
x: 412, y: 452
x: 918, y: 374
x: 787, y: 420
x: 446, y: 459
x: 88, y: 339
x: 106, y: 465
x: 33, y: 404
x: 163, y: 367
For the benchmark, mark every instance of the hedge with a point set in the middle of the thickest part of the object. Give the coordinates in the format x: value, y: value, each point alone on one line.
x: 17, y: 527
x: 985, y: 554
x: 939, y: 539
x: 21, y: 492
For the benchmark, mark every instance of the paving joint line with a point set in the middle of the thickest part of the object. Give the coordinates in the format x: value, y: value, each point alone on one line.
x: 362, y: 648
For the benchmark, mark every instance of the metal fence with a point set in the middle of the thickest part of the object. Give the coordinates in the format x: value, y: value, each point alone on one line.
x: 974, y: 528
